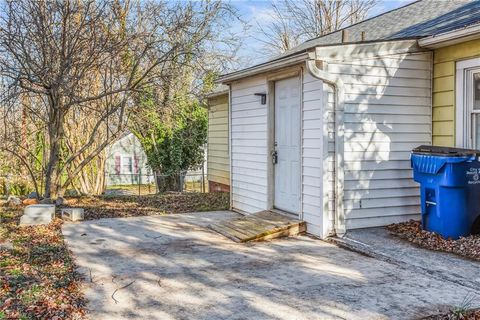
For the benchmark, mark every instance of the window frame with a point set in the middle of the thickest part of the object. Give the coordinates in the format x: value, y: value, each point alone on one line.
x: 122, y: 164
x: 465, y: 136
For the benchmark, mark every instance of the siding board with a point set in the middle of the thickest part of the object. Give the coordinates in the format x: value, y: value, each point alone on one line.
x: 218, y: 164
x: 249, y: 128
x: 444, y: 88
x: 387, y: 113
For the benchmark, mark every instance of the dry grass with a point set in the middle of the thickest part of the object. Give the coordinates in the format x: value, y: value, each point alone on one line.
x: 37, y: 277
x: 131, y: 206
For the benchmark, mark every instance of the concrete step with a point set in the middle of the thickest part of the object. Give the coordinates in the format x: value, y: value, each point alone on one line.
x: 37, y: 214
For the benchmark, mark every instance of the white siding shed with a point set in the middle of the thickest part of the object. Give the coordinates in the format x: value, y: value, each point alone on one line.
x: 358, y: 126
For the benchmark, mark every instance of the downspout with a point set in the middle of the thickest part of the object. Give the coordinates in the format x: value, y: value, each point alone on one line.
x: 311, y: 65
x: 229, y: 106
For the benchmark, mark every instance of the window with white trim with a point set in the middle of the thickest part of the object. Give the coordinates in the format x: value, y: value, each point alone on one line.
x: 472, y: 107
x: 468, y: 104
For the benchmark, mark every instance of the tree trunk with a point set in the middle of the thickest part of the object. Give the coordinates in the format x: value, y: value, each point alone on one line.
x: 51, y: 172
x: 55, y: 135
x: 100, y: 181
x: 172, y: 182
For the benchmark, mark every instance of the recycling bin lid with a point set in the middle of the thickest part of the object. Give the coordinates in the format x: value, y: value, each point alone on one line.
x: 445, y: 151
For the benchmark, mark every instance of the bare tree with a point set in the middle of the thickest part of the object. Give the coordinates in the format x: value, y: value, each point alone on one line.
x: 295, y: 21
x: 77, y: 58
x: 182, y: 86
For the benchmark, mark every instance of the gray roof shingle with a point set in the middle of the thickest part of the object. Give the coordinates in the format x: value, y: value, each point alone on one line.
x: 416, y: 20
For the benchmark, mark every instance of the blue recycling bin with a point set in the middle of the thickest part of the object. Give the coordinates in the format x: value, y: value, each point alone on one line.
x: 450, y: 189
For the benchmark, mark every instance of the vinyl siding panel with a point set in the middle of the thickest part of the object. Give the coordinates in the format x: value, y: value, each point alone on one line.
x: 218, y: 164
x: 444, y: 60
x: 383, y: 122
x: 249, y: 147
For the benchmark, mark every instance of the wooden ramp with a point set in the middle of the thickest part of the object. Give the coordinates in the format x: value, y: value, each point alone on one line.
x: 263, y: 225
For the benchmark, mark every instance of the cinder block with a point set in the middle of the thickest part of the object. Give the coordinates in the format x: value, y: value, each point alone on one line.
x: 37, y: 214
x: 73, y: 214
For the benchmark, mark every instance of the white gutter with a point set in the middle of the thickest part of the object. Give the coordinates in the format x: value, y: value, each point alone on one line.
x: 339, y: 220
x: 451, y: 37
x: 265, y: 67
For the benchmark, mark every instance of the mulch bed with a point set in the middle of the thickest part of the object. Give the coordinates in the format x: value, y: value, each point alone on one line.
x: 132, y: 206
x: 468, y: 247
x: 457, y: 315
x: 37, y: 274
x: 412, y: 231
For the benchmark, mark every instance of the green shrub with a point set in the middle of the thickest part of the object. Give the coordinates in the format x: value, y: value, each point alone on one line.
x: 15, y: 186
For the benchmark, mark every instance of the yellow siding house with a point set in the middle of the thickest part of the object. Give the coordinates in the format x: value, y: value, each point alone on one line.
x: 218, y: 164
x: 456, y: 87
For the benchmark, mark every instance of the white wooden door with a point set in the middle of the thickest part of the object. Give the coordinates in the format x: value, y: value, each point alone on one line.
x: 287, y: 145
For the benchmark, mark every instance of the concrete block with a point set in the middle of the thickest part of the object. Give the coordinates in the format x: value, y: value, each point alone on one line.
x: 73, y: 214
x: 38, y: 214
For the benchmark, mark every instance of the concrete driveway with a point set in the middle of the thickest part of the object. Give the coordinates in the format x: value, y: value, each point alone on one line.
x: 173, y: 267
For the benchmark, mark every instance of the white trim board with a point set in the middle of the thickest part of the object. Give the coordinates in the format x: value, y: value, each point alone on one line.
x: 460, y: 108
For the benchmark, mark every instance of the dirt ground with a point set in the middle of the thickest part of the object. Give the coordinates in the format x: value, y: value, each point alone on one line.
x: 174, y: 267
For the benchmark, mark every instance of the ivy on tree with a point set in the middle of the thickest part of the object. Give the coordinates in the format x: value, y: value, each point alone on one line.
x: 173, y: 138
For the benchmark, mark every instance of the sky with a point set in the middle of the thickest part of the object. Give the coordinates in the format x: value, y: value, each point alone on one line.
x: 258, y: 12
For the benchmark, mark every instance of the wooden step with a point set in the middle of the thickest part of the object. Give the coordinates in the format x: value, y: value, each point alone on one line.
x: 263, y: 225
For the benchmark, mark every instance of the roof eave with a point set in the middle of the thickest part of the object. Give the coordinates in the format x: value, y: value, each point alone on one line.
x: 217, y: 94
x: 336, y: 51
x: 264, y: 67
x: 451, y: 37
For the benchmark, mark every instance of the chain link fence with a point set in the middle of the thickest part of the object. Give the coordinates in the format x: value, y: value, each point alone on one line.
x: 145, y: 184
x: 121, y: 184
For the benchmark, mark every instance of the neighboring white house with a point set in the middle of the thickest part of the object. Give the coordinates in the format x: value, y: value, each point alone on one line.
x: 127, y: 162
x: 325, y: 132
